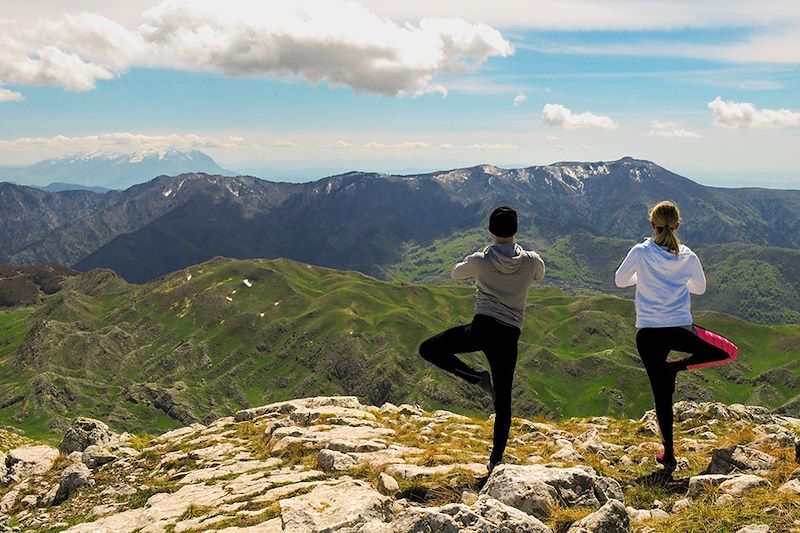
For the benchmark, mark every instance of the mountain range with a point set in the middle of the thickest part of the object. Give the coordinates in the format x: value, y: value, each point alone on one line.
x: 582, y: 216
x: 108, y: 170
x: 226, y: 334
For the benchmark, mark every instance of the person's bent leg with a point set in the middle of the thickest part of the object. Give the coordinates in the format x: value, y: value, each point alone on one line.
x: 502, y: 360
x: 441, y: 350
x: 653, y: 348
x: 705, y: 347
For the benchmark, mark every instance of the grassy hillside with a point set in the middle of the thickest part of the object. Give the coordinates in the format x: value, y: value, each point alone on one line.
x: 757, y: 283
x: 201, y: 343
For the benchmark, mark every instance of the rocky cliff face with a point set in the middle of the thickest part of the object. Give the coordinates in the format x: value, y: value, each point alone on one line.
x: 333, y: 464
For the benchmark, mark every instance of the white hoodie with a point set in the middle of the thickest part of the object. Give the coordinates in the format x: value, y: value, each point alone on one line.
x: 503, y: 272
x: 663, y: 283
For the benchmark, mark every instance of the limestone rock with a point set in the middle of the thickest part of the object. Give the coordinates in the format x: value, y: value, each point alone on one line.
x: 425, y: 520
x: 754, y: 528
x: 725, y: 499
x: 738, y: 485
x: 86, y: 432
x: 73, y: 478
x: 331, y: 461
x: 335, y: 507
x: 538, y: 490
x: 790, y: 487
x: 680, y: 505
x: 387, y: 485
x: 640, y: 515
x: 567, y: 454
x: 740, y: 459
x: 700, y: 484
x: 95, y: 456
x: 283, y: 408
x: 505, y: 516
x: 28, y: 461
x: 610, y: 518
x: 406, y: 471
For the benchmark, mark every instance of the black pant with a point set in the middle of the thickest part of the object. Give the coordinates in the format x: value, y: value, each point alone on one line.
x: 498, y: 341
x: 654, y: 344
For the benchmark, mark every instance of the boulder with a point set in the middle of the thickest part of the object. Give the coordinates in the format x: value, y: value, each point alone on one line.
x: 345, y: 505
x: 86, y: 432
x: 740, y: 459
x: 426, y: 519
x: 387, y: 485
x: 28, y: 461
x: 538, y: 490
x: 790, y: 487
x: 505, y: 516
x: 95, y: 456
x: 610, y: 518
x: 73, y: 478
x: 641, y: 515
x: 738, y: 485
x: 700, y: 484
x: 331, y: 461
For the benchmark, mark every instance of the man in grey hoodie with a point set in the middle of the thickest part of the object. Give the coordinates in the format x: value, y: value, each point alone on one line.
x: 502, y: 272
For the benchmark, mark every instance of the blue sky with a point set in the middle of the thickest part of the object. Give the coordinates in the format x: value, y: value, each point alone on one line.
x: 711, y: 94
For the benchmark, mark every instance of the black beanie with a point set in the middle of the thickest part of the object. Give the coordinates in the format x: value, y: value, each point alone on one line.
x: 503, y: 222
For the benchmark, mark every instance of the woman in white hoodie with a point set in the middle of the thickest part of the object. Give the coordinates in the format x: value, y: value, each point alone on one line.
x: 665, y: 273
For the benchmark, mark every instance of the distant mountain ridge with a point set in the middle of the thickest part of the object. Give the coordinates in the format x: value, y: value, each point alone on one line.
x: 111, y: 170
x: 369, y: 222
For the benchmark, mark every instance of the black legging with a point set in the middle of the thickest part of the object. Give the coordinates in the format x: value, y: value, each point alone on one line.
x: 498, y: 341
x: 654, y: 344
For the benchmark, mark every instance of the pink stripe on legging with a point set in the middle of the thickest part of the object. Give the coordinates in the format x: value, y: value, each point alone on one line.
x: 719, y: 341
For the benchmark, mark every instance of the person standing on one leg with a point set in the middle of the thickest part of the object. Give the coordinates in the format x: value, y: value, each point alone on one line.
x: 665, y: 273
x: 502, y: 272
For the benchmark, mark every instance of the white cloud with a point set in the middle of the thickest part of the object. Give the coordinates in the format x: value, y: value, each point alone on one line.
x: 558, y: 115
x: 123, y: 141
x: 10, y: 96
x: 597, y: 14
x: 519, y: 98
x: 670, y: 130
x: 490, y: 146
x: 746, y: 115
x: 336, y: 41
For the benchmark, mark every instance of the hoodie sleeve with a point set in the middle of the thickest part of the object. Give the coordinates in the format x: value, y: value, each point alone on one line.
x: 697, y: 278
x: 626, y: 273
x: 468, y: 268
x: 538, y: 266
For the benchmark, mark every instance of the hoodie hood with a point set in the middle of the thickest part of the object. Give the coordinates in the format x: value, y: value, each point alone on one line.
x: 662, y: 260
x: 506, y: 257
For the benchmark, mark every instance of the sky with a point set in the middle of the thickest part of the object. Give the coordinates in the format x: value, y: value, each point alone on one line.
x: 294, y: 88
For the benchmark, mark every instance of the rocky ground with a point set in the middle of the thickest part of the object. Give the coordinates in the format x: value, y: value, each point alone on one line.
x: 333, y: 464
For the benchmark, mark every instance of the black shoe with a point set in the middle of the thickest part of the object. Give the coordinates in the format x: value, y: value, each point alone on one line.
x: 491, y: 465
x: 668, y: 461
x: 486, y: 384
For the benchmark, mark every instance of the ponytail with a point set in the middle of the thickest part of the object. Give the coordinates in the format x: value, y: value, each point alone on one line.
x: 665, y: 216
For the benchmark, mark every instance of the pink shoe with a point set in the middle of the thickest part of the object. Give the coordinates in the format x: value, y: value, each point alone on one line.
x: 668, y: 461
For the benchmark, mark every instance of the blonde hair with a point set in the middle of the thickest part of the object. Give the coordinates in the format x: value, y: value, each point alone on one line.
x: 665, y: 216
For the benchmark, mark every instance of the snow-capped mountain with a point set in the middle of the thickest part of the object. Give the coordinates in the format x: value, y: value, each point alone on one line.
x: 112, y: 170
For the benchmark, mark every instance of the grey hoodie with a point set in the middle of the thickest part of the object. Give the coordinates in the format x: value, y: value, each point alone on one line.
x: 503, y: 272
